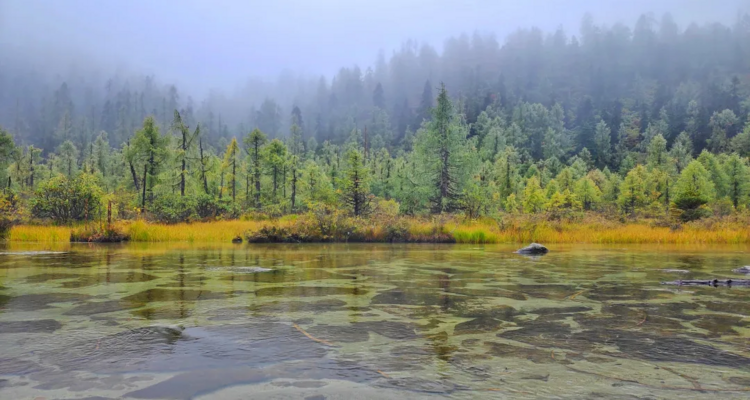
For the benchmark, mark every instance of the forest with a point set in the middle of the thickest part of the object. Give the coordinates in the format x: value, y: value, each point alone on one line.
x: 626, y: 124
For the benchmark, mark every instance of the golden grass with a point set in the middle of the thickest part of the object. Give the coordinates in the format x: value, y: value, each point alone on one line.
x: 33, y: 233
x: 523, y: 229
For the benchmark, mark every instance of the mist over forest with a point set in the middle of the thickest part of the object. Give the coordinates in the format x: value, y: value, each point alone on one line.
x: 204, y: 101
x: 608, y: 70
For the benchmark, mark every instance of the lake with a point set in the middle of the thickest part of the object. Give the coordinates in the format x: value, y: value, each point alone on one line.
x: 182, y: 321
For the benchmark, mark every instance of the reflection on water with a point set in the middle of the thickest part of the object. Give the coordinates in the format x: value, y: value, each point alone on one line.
x: 370, y: 321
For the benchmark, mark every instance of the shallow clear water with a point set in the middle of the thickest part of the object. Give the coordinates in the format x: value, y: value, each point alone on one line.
x: 370, y: 321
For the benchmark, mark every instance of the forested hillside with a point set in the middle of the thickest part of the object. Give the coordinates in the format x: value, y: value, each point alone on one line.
x: 649, y: 120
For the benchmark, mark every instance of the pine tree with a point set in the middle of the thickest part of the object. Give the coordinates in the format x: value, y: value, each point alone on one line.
x: 738, y: 179
x: 588, y: 193
x: 254, y: 143
x: 67, y: 159
x: 682, y: 151
x: 715, y: 171
x: 720, y: 124
x: 356, y: 185
x: 602, y: 146
x: 634, y: 190
x: 533, y: 196
x: 693, y: 190
x: 444, y: 154
x: 150, y: 149
x: 424, y: 112
x: 657, y: 152
x: 230, y: 165
x: 276, y: 159
x: 378, y: 99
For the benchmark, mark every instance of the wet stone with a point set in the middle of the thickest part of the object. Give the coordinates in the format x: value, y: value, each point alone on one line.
x: 36, y: 326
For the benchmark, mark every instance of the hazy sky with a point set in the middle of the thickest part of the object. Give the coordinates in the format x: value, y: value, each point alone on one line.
x: 219, y: 43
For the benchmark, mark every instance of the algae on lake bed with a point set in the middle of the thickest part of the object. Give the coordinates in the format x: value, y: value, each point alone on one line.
x: 409, y: 320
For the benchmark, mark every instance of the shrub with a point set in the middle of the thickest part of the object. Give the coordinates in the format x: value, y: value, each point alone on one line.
x: 173, y: 208
x: 206, y: 206
x: 9, y: 213
x: 66, y: 200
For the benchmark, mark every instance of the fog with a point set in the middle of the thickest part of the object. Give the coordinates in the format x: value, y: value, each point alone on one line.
x: 205, y: 44
x: 72, y: 69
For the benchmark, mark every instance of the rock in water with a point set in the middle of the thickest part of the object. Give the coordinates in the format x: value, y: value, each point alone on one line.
x: 743, y: 270
x: 533, y: 249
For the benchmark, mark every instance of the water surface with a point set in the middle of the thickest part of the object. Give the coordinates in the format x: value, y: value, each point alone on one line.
x: 370, y: 321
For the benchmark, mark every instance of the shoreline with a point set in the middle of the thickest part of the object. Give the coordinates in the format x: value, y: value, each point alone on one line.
x: 299, y: 229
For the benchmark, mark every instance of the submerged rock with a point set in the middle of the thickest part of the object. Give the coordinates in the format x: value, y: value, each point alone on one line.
x: 533, y: 249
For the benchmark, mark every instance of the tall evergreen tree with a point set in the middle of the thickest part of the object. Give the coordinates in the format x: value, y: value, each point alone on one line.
x: 443, y: 153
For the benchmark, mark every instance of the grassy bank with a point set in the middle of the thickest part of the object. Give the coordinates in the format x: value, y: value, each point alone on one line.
x: 518, y: 229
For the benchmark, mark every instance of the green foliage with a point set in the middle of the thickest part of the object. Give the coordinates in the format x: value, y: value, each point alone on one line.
x: 355, y: 190
x: 587, y: 193
x: 657, y: 153
x: 173, y: 208
x: 533, y: 196
x: 693, y: 191
x: 64, y: 200
x: 7, y: 149
x: 741, y: 142
x: 715, y: 171
x: 634, y: 190
x: 444, y: 154
x: 737, y: 173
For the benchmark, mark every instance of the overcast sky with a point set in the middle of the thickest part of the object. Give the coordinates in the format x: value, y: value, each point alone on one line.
x: 219, y: 43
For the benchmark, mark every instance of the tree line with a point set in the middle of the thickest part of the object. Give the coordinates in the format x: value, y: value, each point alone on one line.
x: 610, y: 119
x: 174, y: 176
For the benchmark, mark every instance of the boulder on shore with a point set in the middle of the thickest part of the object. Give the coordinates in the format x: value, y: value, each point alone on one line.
x: 533, y: 249
x: 743, y: 270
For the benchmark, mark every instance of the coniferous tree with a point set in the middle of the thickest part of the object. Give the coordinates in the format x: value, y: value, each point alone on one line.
x: 254, y: 143
x: 444, y: 152
x: 356, y: 184
x: 738, y: 179
x: 229, y: 165
x: 693, y: 190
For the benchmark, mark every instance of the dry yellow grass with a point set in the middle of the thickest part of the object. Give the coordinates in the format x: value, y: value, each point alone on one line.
x: 33, y: 233
x: 518, y: 230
